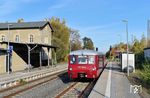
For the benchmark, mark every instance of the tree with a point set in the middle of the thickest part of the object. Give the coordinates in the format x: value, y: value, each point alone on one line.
x: 60, y: 38
x: 138, y: 49
x: 121, y: 47
x: 143, y: 41
x: 115, y: 50
x: 108, y: 53
x: 88, y: 43
x: 20, y: 20
x: 75, y: 42
x: 139, y: 45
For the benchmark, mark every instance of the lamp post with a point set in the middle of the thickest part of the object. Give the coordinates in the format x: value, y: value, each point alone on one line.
x: 119, y: 38
x: 126, y: 22
x: 8, y: 60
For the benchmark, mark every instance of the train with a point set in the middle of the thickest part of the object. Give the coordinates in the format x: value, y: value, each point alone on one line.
x: 85, y: 64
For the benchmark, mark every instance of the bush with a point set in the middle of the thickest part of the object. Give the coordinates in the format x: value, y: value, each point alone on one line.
x: 139, y: 60
x: 21, y: 81
x: 145, y: 73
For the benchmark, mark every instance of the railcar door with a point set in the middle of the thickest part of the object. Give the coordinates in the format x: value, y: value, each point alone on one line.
x: 104, y: 61
x: 101, y: 62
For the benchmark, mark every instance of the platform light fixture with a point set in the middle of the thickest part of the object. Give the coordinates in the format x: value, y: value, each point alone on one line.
x: 126, y: 23
x: 8, y: 47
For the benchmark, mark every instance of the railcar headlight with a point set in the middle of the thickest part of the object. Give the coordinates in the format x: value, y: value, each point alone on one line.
x: 70, y: 68
x: 94, y: 69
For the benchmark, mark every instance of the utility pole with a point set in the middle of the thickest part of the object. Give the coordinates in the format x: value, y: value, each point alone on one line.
x: 148, y: 33
x: 8, y: 50
x: 126, y: 23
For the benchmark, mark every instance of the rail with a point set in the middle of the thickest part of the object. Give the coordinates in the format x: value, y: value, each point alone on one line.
x: 9, y: 93
x: 26, y: 77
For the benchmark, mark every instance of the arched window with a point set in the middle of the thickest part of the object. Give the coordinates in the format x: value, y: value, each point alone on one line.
x: 17, y: 39
x: 31, y: 38
x: 3, y: 38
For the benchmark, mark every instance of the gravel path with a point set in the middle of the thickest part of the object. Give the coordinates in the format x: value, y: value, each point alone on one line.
x: 46, y: 90
x: 74, y: 93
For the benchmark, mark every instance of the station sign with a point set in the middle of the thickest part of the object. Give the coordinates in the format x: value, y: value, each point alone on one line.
x: 10, y: 49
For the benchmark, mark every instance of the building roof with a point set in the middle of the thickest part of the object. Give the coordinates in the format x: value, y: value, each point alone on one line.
x: 30, y: 44
x: 25, y: 25
x: 85, y: 52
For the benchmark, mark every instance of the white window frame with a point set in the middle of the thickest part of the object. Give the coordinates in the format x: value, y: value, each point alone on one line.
x: 80, y: 59
x: 91, y: 59
x: 31, y: 38
x: 17, y: 38
x: 3, y: 38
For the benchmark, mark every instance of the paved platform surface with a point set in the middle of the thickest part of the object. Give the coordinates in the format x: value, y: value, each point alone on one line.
x: 112, y: 84
x: 6, y: 77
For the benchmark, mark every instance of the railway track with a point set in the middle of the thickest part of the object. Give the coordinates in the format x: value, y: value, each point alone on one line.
x: 77, y: 89
x: 51, y: 86
x: 12, y: 91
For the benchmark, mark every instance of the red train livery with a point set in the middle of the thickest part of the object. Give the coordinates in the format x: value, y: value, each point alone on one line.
x: 85, y: 63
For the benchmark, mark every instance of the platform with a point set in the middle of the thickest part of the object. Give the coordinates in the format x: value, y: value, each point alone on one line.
x: 112, y: 84
x: 10, y: 79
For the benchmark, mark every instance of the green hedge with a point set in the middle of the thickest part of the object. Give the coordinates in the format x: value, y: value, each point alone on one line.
x: 145, y: 73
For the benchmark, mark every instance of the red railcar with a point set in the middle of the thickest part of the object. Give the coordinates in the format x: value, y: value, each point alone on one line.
x: 85, y: 63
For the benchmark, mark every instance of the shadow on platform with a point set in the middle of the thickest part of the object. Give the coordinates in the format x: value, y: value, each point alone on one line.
x: 116, y: 69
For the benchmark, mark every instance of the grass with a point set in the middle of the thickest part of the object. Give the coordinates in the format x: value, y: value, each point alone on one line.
x: 21, y: 81
x: 140, y: 78
x: 145, y: 74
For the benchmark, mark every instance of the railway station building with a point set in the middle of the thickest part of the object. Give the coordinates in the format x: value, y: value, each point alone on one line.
x: 24, y: 45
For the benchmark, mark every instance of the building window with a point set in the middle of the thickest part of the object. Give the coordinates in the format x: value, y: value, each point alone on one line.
x: 17, y: 39
x: 3, y: 38
x: 31, y: 38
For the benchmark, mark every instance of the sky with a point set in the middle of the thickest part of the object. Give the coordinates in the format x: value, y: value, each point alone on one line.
x: 100, y: 20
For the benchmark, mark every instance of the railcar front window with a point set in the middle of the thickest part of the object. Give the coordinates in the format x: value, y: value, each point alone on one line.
x: 82, y: 60
x: 72, y: 59
x: 91, y: 59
